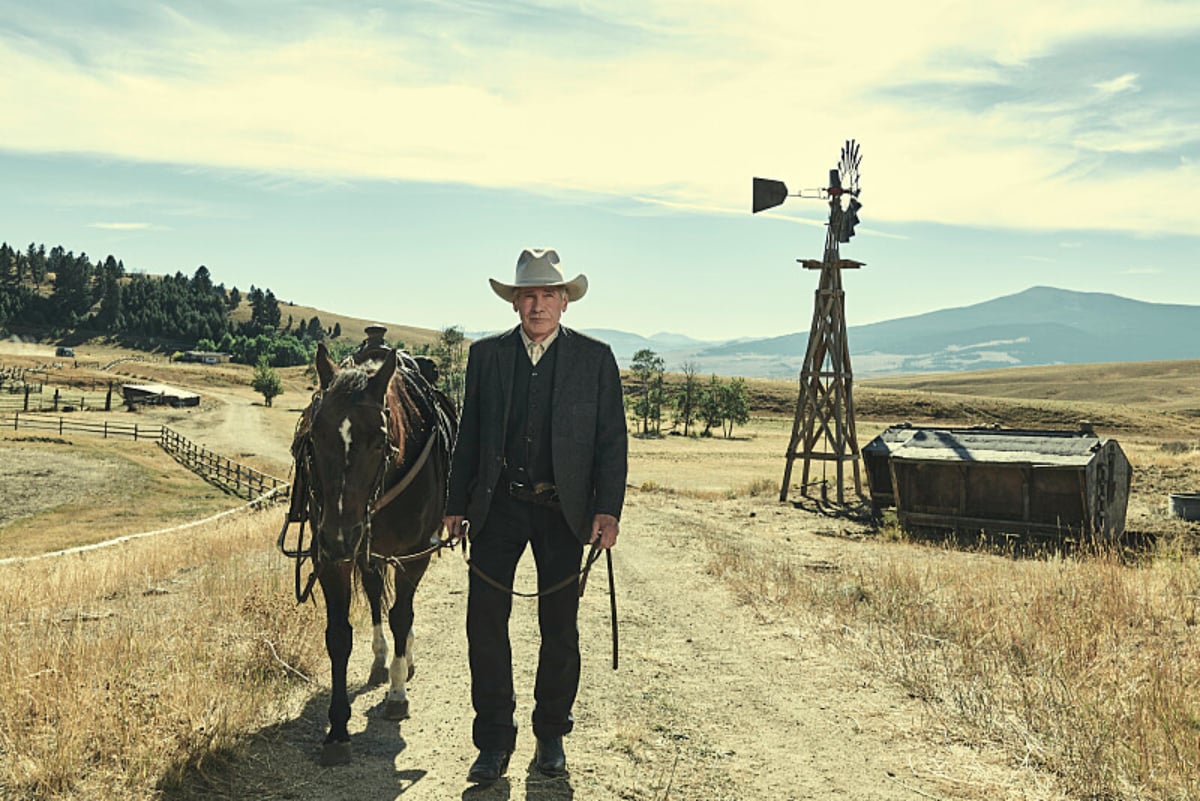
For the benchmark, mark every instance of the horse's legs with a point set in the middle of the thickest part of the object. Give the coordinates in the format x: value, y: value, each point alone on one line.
x: 372, y: 579
x: 400, y: 619
x: 335, y: 584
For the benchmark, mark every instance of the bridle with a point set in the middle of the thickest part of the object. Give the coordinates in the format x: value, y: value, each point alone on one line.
x: 377, y: 501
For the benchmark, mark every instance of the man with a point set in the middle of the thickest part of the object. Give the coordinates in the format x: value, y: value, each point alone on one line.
x: 540, y: 460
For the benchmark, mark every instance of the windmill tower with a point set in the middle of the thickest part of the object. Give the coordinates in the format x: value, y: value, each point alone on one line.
x: 823, y: 430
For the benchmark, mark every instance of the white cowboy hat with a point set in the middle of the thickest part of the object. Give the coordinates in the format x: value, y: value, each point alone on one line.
x: 540, y: 267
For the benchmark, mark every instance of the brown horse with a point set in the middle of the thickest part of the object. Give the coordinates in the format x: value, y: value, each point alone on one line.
x: 372, y: 459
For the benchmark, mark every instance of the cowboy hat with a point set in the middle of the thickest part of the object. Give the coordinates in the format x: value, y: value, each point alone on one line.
x: 540, y: 267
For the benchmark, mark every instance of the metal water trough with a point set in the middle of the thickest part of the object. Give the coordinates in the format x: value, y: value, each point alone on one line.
x: 1056, y: 483
x: 1186, y: 505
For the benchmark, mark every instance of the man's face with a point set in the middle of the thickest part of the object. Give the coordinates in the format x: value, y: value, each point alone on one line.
x: 540, y: 308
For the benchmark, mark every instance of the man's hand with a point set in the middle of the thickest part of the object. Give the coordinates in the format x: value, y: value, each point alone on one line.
x: 456, y: 528
x: 605, y: 528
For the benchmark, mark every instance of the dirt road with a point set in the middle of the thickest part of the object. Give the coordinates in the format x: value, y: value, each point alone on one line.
x: 713, y: 698
x: 716, y: 697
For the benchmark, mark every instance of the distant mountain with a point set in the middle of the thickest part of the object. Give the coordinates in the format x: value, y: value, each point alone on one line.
x: 625, y: 344
x: 1039, y: 326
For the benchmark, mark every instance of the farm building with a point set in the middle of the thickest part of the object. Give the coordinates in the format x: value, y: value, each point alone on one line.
x: 203, y: 357
x: 157, y: 394
x: 1000, y: 480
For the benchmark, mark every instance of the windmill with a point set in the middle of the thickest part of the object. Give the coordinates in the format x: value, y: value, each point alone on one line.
x: 823, y: 429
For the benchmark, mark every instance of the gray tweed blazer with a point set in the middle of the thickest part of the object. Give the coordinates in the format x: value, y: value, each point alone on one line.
x: 589, y: 442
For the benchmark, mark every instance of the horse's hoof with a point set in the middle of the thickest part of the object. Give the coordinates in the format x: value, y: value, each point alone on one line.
x: 379, y: 675
x: 396, y: 710
x: 335, y: 754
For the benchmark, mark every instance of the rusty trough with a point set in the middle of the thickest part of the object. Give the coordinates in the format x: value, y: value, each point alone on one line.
x: 1057, y: 483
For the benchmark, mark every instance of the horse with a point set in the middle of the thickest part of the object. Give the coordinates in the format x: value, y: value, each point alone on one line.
x: 372, y: 462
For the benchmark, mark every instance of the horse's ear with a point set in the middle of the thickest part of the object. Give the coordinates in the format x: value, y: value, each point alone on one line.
x: 378, y: 383
x: 326, y: 369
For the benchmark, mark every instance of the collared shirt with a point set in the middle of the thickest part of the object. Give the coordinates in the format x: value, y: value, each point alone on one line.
x: 537, y: 349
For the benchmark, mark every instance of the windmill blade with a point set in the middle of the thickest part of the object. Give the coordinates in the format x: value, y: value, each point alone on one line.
x: 848, y: 166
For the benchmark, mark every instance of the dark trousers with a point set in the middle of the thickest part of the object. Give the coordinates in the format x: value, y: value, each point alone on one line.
x: 496, y: 550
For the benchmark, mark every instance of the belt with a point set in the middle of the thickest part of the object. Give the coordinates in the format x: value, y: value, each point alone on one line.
x: 543, y: 493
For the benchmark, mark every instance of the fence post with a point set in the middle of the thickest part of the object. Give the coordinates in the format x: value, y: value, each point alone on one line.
x: 135, y: 425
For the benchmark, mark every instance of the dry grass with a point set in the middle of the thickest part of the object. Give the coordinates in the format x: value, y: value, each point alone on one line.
x: 126, y: 668
x: 1083, y: 664
x: 82, y: 489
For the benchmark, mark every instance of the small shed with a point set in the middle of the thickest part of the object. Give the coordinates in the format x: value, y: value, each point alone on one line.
x: 157, y: 394
x: 204, y: 357
x: 1000, y: 480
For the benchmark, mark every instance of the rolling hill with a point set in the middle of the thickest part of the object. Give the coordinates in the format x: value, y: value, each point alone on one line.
x: 1039, y: 326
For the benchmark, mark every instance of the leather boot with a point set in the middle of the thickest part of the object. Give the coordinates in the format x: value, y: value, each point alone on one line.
x: 549, y: 758
x: 488, y: 766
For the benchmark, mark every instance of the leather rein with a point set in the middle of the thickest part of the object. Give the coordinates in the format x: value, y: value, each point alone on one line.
x: 581, y: 574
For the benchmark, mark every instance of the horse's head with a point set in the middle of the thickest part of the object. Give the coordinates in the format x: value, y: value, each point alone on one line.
x: 351, y: 446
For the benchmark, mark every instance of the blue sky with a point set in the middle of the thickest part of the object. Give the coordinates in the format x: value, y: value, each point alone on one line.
x: 383, y: 160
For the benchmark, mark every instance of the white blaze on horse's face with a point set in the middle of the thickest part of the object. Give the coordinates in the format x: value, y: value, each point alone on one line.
x: 347, y: 440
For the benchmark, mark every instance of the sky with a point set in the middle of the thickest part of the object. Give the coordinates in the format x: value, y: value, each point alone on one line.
x: 383, y: 160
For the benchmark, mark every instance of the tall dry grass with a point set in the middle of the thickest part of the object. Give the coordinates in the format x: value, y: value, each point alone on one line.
x: 126, y: 667
x: 1086, y: 666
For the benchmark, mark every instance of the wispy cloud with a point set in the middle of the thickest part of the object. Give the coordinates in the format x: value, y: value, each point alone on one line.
x: 121, y: 226
x: 1123, y: 83
x: 678, y: 103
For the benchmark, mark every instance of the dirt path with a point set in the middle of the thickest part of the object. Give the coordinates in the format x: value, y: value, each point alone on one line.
x: 238, y: 427
x: 711, y: 701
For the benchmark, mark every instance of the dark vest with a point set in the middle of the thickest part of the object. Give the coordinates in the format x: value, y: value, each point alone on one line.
x: 527, y: 441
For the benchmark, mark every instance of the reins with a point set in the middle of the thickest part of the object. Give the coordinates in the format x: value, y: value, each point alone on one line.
x: 581, y: 575
x: 402, y: 485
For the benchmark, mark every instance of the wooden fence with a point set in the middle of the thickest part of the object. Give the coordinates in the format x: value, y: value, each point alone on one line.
x: 237, y: 478
x: 37, y: 401
x: 231, y: 476
x: 63, y: 425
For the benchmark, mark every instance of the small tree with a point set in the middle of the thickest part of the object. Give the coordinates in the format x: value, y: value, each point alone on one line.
x: 712, y: 405
x: 735, y: 405
x: 266, y: 381
x: 647, y: 366
x: 450, y: 355
x: 687, y: 402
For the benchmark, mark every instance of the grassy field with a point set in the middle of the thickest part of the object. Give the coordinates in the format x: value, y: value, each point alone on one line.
x: 60, y: 492
x: 1081, y: 663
